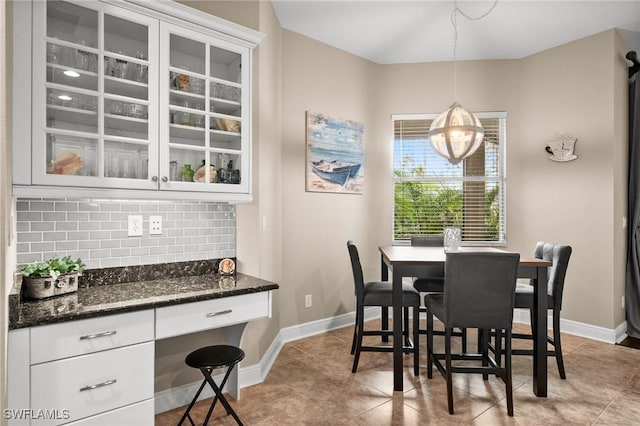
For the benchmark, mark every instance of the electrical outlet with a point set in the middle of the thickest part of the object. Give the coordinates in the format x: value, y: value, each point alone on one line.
x: 155, y: 225
x: 307, y: 301
x: 135, y: 226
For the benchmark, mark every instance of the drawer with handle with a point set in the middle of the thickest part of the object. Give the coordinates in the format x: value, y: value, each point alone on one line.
x: 96, y: 383
x: 197, y: 316
x: 57, y: 341
x: 139, y: 414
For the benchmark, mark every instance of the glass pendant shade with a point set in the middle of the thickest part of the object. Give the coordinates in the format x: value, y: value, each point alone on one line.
x: 456, y: 133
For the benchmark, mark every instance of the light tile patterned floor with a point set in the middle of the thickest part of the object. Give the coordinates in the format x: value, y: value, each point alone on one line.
x: 311, y: 384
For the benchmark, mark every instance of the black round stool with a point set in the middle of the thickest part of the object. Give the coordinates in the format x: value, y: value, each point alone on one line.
x: 206, y: 360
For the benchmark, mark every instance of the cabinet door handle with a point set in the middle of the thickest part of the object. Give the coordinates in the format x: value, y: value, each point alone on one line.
x: 93, y: 336
x: 98, y: 385
x: 154, y: 178
x: 165, y: 179
x: 215, y: 314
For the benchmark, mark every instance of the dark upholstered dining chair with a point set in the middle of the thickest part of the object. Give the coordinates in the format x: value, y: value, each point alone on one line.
x: 479, y: 292
x: 432, y: 281
x: 558, y: 255
x: 379, y: 294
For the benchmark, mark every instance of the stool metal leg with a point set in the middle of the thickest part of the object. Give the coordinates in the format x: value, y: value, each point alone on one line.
x: 193, y: 401
x: 223, y: 400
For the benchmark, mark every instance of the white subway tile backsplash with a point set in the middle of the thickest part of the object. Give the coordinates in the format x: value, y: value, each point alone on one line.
x: 96, y: 231
x: 54, y: 216
x: 86, y: 245
x: 64, y: 245
x: 43, y: 226
x: 66, y: 206
x: 24, y: 237
x: 66, y: 226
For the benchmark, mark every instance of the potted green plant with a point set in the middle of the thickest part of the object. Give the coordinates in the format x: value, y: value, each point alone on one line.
x: 51, y: 278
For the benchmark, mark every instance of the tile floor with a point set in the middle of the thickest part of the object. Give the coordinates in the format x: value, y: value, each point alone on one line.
x: 311, y: 383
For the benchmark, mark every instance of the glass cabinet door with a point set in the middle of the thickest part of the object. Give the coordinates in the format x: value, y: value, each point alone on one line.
x: 94, y: 115
x: 204, y: 88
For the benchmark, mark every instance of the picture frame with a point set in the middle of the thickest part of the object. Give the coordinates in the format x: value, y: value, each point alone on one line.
x: 335, y: 155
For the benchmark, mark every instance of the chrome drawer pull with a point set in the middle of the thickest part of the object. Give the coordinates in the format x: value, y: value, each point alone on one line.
x: 215, y: 314
x: 96, y: 335
x: 99, y: 385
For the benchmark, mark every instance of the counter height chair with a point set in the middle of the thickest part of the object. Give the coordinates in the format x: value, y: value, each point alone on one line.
x: 479, y: 292
x: 432, y: 281
x: 380, y: 294
x: 558, y: 255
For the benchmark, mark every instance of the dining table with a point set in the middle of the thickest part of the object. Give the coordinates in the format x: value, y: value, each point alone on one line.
x: 412, y: 261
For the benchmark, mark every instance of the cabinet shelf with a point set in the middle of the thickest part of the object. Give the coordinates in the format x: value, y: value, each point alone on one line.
x: 124, y: 87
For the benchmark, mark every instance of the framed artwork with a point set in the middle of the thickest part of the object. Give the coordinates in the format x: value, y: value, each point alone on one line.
x: 335, y: 155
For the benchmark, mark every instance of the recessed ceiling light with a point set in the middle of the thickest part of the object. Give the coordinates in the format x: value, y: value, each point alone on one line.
x: 70, y: 73
x: 64, y: 97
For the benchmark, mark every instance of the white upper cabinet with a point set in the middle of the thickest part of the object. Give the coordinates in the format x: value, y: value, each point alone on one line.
x: 129, y: 101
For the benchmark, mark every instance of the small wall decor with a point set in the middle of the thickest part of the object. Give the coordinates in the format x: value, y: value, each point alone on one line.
x: 335, y: 155
x: 561, y: 147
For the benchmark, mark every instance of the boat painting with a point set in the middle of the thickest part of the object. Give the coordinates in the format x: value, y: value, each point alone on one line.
x: 335, y: 155
x: 335, y: 171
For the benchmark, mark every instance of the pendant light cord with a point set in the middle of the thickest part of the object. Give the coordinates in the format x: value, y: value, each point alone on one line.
x: 454, y: 22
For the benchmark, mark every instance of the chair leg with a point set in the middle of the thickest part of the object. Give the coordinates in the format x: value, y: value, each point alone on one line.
x: 384, y: 319
x: 405, y: 325
x: 498, y: 346
x: 429, y: 345
x: 556, y: 343
x: 507, y: 365
x: 447, y: 350
x: 485, y: 350
x: 360, y: 327
x: 355, y: 334
x: 464, y: 340
x: 416, y: 341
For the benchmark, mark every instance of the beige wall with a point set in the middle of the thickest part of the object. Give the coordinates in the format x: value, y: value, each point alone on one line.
x: 572, y: 89
x: 316, y: 226
x: 576, y: 88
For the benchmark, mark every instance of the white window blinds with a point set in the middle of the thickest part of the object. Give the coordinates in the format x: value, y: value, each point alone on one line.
x: 430, y: 193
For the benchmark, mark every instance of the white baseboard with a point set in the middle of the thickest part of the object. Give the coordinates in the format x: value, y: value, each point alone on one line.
x: 576, y: 328
x: 254, y: 374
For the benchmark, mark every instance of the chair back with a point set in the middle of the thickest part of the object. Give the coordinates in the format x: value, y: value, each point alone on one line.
x: 435, y: 271
x: 558, y: 255
x: 358, y: 278
x: 427, y: 240
x: 479, y: 289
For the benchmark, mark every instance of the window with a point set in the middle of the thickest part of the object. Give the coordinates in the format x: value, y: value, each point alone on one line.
x: 430, y: 193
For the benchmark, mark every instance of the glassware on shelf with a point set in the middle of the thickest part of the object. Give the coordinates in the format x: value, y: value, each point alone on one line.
x: 187, y: 173
x: 53, y: 53
x: 197, y: 86
x: 173, y: 171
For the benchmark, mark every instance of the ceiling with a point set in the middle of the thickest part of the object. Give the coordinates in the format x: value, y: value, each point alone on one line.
x: 396, y: 31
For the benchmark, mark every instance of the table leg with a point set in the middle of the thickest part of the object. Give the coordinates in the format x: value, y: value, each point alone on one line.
x: 384, y: 314
x: 397, y: 328
x: 540, y: 329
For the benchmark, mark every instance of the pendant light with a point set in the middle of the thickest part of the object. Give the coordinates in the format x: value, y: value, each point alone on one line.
x: 457, y: 133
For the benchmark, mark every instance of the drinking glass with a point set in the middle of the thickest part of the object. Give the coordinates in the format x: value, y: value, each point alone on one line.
x: 452, y: 238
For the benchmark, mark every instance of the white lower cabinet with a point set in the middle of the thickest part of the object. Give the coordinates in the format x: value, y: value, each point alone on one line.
x: 140, y: 414
x: 86, y: 385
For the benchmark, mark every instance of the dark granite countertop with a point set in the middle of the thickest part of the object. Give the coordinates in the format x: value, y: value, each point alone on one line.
x: 99, y: 300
